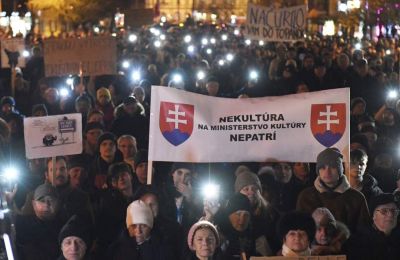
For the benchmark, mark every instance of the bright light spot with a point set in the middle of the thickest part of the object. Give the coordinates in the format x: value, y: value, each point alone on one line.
x: 248, y: 42
x: 136, y: 75
x: 261, y: 43
x: 339, y: 33
x: 187, y: 38
x: 177, y: 78
x: 64, y: 92
x: 132, y: 38
x: 163, y: 19
x: 253, y: 75
x: 209, y: 51
x: 388, y: 52
x: 162, y: 37
x: 358, y: 46
x: 201, y: 75
x: 125, y: 64
x: 157, y: 44
x: 221, y: 62
x: 211, y: 191
x: 224, y: 37
x: 213, y: 41
x: 96, y: 29
x: 70, y: 81
x: 25, y: 54
x: 329, y: 28
x: 114, y: 35
x: 229, y: 57
x: 236, y: 32
x: 392, y: 94
x: 204, y: 41
x: 190, y: 49
x: 10, y: 173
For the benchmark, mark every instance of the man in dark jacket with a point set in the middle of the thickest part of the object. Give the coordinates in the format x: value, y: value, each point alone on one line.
x: 332, y: 190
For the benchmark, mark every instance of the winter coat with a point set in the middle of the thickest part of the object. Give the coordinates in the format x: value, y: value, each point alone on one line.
x: 335, y: 246
x: 346, y: 204
x: 370, y: 188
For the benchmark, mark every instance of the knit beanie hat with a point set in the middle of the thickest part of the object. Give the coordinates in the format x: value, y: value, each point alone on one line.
x: 39, y: 108
x: 247, y: 178
x: 141, y: 157
x: 238, y: 202
x: 200, y: 225
x: 77, y: 161
x: 381, y: 199
x: 103, y: 92
x: 323, y: 218
x: 139, y: 213
x: 77, y: 227
x: 7, y: 100
x: 94, y: 125
x: 106, y: 136
x: 356, y: 101
x: 296, y: 221
x: 182, y: 165
x: 331, y: 157
x: 43, y: 190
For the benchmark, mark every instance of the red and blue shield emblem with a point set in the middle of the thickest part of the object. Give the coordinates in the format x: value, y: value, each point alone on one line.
x: 176, y: 122
x: 328, y: 122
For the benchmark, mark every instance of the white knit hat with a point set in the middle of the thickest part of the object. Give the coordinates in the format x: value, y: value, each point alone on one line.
x: 139, y: 213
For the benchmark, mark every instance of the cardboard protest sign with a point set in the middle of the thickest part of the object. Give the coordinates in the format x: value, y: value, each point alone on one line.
x: 96, y: 54
x: 325, y: 257
x: 272, y: 24
x: 189, y: 127
x: 51, y: 136
x: 12, y: 49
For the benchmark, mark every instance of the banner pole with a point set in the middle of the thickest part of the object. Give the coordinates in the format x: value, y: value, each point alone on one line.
x: 81, y: 72
x: 149, y: 172
x: 53, y: 162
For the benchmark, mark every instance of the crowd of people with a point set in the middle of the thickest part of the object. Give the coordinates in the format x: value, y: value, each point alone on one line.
x: 97, y: 204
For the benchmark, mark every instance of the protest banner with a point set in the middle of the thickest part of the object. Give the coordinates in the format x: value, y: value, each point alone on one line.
x: 188, y: 127
x: 95, y: 55
x: 12, y: 52
x: 325, y: 257
x: 51, y: 136
x: 273, y: 24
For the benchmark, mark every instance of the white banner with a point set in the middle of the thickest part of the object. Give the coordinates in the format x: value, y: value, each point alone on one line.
x: 50, y: 136
x: 272, y: 24
x: 12, y: 48
x: 189, y: 127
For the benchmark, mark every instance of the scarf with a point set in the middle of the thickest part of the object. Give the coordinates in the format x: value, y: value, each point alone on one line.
x: 286, y: 251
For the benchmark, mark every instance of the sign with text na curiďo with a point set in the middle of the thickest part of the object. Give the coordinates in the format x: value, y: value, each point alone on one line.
x: 51, y: 136
x: 96, y: 55
x: 188, y: 127
x: 276, y: 24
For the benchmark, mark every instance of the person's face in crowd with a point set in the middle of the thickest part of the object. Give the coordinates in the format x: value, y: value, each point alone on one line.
x: 296, y: 240
x: 96, y: 118
x: 92, y: 136
x: 83, y: 107
x: 79, y: 89
x: 308, y: 63
x: 141, y: 172
x: 131, y: 109
x: 104, y: 99
x: 141, y: 232
x: 302, y: 88
x: 300, y: 170
x: 139, y: 94
x: 388, y: 117
x: 283, y: 172
x: 362, y: 70
x: 107, y: 149
x: 123, y: 181
x: 343, y: 62
x: 61, y: 176
x: 6, y: 109
x: 182, y: 175
x: 358, y: 109
x: 252, y: 193
x: 13, y: 125
x: 42, y: 89
x: 127, y: 146
x: 329, y: 175
x: 240, y: 220
x: 39, y: 112
x: 204, y: 243
x: 77, y: 176
x: 51, y: 96
x: 212, y: 88
x: 324, y: 235
x: 152, y: 202
x: 358, y: 167
x: 320, y: 71
x: 73, y: 248
x: 385, y: 217
x: 46, y: 207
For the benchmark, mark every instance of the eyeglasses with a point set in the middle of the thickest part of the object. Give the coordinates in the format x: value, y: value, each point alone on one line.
x: 387, y: 211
